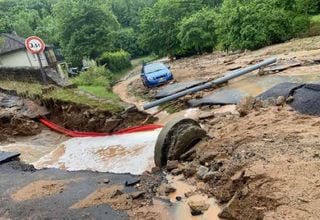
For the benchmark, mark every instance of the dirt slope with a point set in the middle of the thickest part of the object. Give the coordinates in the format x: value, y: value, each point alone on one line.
x: 270, y: 163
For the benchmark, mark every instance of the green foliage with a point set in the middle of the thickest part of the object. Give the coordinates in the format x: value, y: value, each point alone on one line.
x: 307, y: 6
x: 126, y: 39
x: 85, y: 28
x: 159, y: 25
x: 88, y: 28
x: 128, y: 11
x: 100, y: 91
x: 257, y: 23
x: 94, y: 76
x: 116, y: 61
x: 197, y: 32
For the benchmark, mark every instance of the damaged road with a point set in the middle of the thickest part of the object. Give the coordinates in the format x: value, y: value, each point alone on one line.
x: 27, y: 193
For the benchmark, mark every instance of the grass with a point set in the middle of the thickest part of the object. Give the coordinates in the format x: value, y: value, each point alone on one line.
x: 30, y: 90
x: 314, y: 29
x: 100, y: 92
x: 315, y: 19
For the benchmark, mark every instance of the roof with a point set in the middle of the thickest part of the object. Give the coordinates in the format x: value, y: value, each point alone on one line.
x: 11, y: 42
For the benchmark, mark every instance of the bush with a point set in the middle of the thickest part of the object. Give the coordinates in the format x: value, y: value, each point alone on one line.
x: 126, y: 39
x: 94, y: 76
x: 116, y: 61
x: 257, y: 23
x: 197, y: 32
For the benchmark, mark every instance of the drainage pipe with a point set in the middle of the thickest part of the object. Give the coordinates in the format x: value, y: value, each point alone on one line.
x: 210, y: 84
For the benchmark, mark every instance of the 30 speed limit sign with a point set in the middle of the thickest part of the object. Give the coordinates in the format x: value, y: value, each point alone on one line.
x: 35, y: 45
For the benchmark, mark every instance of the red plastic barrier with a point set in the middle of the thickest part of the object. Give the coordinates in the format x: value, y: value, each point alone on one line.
x: 70, y: 133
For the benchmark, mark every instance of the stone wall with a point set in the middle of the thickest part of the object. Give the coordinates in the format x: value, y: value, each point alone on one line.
x: 21, y: 74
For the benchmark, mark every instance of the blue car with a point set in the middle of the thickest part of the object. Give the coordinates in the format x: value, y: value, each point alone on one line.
x: 155, y: 74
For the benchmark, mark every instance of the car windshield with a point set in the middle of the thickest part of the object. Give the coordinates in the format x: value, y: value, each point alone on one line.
x: 154, y: 68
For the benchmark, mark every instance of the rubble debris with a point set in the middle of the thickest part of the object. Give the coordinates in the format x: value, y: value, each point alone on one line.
x: 8, y: 156
x: 132, y: 182
x: 13, y: 123
x: 282, y: 89
x: 302, y: 98
x: 307, y: 99
x: 246, y: 105
x: 136, y: 195
x: 166, y: 189
x: 280, y: 66
x: 202, y: 171
x: 198, y: 207
x: 171, y: 165
x: 21, y: 106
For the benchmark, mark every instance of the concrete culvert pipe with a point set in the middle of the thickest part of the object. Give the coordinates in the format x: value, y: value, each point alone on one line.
x: 176, y: 138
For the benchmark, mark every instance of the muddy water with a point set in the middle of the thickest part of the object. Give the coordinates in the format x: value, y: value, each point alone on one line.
x: 181, y: 209
x: 34, y: 147
x: 128, y: 153
x: 254, y: 85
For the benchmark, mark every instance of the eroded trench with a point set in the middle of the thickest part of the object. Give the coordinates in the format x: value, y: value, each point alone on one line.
x: 119, y: 154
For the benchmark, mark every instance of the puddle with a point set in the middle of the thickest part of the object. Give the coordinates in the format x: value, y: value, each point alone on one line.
x: 129, y: 153
x: 34, y: 147
x: 181, y: 209
x: 255, y: 85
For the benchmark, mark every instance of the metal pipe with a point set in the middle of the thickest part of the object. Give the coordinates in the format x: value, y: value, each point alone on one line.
x: 210, y: 84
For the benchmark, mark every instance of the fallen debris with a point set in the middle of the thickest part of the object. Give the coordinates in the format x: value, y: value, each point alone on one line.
x: 7, y: 156
x: 281, y: 66
x: 303, y: 98
x: 198, y: 207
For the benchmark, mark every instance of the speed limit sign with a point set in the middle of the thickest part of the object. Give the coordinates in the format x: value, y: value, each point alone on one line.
x: 35, y: 45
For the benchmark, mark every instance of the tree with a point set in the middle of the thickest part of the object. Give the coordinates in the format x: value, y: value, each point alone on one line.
x: 126, y: 39
x: 307, y: 6
x: 257, y: 23
x: 128, y: 11
x: 197, y: 32
x: 24, y: 23
x: 160, y: 25
x: 85, y: 30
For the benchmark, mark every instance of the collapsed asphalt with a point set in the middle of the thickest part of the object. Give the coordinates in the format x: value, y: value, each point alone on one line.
x: 14, y: 175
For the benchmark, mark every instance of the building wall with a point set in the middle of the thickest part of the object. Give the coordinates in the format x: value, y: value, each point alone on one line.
x: 22, y: 58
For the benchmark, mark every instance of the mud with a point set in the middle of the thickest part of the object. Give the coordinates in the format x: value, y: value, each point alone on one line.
x: 14, y: 124
x: 32, y: 148
x: 39, y: 189
x: 263, y: 170
x: 82, y: 118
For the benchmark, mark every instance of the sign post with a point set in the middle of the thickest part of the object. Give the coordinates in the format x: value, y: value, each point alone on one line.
x: 35, y: 45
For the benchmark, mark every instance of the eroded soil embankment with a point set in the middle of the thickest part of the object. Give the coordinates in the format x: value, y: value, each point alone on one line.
x: 18, y: 116
x: 261, y: 166
x: 83, y: 118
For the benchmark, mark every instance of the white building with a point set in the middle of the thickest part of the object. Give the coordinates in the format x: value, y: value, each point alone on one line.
x: 13, y: 53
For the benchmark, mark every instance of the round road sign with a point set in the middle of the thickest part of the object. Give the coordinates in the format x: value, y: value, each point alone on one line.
x: 35, y: 44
